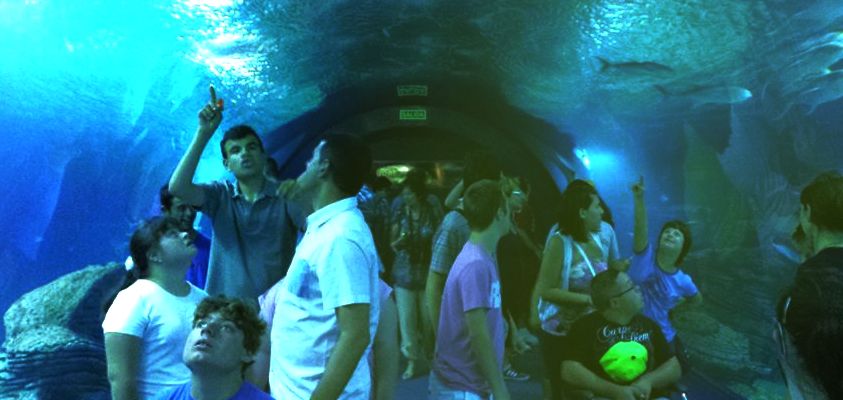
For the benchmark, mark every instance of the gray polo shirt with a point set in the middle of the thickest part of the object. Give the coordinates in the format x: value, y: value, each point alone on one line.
x: 253, y: 243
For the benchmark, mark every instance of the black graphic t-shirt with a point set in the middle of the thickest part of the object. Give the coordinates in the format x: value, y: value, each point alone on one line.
x: 627, y: 351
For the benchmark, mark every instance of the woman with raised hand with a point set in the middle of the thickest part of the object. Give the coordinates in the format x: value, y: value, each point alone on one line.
x: 148, y: 322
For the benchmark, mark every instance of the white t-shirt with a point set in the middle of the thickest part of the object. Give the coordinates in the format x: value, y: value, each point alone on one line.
x: 335, y: 265
x: 162, y: 321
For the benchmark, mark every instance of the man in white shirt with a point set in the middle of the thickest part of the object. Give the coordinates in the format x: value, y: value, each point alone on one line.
x: 324, y: 313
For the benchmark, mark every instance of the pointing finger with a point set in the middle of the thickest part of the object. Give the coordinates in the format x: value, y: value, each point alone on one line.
x: 213, y: 94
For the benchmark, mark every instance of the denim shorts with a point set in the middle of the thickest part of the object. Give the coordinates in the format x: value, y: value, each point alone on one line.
x: 438, y: 391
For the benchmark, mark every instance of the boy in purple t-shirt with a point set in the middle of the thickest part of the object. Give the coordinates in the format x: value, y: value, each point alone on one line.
x: 663, y: 284
x: 470, y: 340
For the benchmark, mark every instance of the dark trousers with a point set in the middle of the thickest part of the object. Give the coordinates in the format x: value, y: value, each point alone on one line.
x: 552, y: 348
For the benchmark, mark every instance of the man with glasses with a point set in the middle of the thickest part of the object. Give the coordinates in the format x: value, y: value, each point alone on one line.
x: 615, y: 352
x: 176, y: 208
x: 225, y: 337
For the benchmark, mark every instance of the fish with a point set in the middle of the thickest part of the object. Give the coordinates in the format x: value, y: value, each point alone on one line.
x: 822, y: 13
x: 702, y: 95
x: 634, y: 67
x: 822, y: 90
x: 815, y: 18
x: 788, y: 252
x: 830, y: 37
x: 828, y: 88
x: 800, y: 85
x: 811, y: 62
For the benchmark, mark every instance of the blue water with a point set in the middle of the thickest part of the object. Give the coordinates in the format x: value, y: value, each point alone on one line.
x: 93, y: 115
x: 99, y: 100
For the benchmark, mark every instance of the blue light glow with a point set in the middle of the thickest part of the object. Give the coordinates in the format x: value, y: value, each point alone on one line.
x: 582, y: 154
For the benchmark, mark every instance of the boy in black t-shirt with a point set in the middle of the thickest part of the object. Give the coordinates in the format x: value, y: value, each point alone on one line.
x: 615, y: 352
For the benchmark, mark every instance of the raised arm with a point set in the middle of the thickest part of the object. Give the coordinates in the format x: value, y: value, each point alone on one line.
x: 639, y: 238
x: 483, y: 351
x: 453, y: 199
x: 549, y: 284
x: 353, y: 321
x: 122, y: 355
x: 181, y: 183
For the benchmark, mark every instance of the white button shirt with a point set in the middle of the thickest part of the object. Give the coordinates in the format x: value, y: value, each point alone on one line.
x: 335, y: 265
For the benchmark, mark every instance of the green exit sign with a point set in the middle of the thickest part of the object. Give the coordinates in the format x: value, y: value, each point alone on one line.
x: 412, y: 114
x: 412, y: 90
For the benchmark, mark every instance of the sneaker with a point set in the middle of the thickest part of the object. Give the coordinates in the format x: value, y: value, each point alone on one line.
x: 511, y: 374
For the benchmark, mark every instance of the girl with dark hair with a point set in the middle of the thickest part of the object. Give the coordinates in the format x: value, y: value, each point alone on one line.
x: 412, y: 233
x: 149, y: 321
x: 579, y: 248
x: 608, y: 220
x: 656, y: 270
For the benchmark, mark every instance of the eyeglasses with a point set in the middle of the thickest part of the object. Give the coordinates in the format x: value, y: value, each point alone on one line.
x: 631, y: 288
x: 172, y: 233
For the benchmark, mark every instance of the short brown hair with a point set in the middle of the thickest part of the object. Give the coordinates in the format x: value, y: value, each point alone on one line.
x: 238, y: 132
x: 237, y: 311
x: 481, y: 203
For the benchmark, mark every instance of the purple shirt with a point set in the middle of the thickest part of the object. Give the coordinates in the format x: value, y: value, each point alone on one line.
x: 247, y: 392
x: 661, y: 290
x: 473, y: 283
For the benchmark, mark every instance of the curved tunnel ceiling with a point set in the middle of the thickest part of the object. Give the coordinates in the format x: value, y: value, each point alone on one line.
x: 728, y: 107
x: 598, y: 69
x: 446, y: 120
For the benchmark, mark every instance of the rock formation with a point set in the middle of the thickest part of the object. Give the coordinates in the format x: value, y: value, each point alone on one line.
x: 54, y: 342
